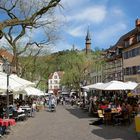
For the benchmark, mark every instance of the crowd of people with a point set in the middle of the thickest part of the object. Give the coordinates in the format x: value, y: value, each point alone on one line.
x: 115, y: 104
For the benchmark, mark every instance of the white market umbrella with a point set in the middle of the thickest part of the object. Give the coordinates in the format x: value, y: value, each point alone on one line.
x: 131, y: 85
x: 93, y: 86
x: 113, y: 85
x: 33, y: 91
x: 22, y: 81
x: 13, y: 85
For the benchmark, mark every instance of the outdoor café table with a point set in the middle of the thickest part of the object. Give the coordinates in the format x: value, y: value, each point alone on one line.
x: 7, y: 122
x: 20, y: 111
x: 28, y: 109
x: 12, y: 121
x: 114, y: 111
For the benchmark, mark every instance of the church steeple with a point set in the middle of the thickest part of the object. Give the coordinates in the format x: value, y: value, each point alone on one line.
x: 88, y: 41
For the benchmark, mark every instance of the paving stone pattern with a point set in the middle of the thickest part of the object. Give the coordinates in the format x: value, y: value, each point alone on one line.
x: 67, y: 123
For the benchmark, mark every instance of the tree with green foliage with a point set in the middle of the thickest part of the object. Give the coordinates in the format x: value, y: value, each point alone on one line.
x: 77, y: 67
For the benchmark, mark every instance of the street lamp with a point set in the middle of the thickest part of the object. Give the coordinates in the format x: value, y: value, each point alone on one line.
x: 7, y: 70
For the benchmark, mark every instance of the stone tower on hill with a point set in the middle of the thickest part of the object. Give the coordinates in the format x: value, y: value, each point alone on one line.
x: 88, y: 42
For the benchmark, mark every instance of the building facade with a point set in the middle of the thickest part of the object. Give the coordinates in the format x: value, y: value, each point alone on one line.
x: 54, y: 81
x: 122, y: 61
x: 113, y: 67
x: 131, y: 55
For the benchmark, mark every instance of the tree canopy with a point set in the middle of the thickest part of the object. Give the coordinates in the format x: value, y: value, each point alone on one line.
x: 22, y: 16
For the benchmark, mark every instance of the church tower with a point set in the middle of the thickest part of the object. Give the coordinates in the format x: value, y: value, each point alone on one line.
x: 88, y: 42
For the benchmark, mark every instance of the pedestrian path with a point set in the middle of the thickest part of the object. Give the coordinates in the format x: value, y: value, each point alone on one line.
x: 67, y: 123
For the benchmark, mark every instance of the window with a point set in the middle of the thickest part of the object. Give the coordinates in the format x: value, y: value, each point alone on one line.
x: 138, y: 37
x: 55, y: 81
x: 134, y: 69
x: 138, y: 51
x: 125, y: 55
x: 138, y: 69
x: 129, y: 54
x: 117, y: 51
x: 55, y: 77
x: 131, y: 70
x: 126, y: 43
x: 133, y: 52
x: 50, y: 81
x: 127, y: 71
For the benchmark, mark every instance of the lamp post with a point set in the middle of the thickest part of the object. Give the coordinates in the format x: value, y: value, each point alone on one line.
x: 7, y: 95
x: 7, y: 91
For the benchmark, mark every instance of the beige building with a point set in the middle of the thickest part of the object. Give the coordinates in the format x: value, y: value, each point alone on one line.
x: 131, y: 54
x: 123, y: 59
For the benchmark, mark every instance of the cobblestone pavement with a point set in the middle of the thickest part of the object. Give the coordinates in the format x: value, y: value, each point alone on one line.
x: 67, y: 123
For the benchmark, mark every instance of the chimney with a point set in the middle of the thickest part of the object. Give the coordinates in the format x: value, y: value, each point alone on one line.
x: 137, y: 22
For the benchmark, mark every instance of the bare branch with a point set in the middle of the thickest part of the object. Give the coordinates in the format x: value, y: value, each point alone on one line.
x: 20, y: 35
x: 13, y: 5
x: 28, y: 21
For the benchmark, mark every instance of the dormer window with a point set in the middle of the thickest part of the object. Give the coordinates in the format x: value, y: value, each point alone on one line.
x: 138, y: 37
x: 118, y: 51
x: 109, y: 55
x: 126, y: 43
x: 132, y: 40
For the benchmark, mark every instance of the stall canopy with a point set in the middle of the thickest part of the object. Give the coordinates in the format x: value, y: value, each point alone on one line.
x: 93, y: 86
x: 15, y: 83
x: 22, y: 81
x: 113, y: 85
x: 33, y: 91
x: 131, y: 85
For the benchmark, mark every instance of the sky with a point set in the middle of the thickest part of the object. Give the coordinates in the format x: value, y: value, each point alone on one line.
x: 107, y: 20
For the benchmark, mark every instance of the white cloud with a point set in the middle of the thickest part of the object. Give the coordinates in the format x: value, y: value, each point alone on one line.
x: 3, y: 42
x: 73, y: 3
x: 109, y: 32
x: 77, y: 31
x: 94, y: 14
x: 61, y: 46
x: 117, y: 12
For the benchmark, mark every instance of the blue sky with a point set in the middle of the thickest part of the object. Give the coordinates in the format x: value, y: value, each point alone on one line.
x: 107, y: 20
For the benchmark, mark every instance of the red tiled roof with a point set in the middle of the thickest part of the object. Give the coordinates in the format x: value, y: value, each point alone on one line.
x: 60, y: 73
x: 6, y: 54
x: 120, y: 42
x: 50, y: 76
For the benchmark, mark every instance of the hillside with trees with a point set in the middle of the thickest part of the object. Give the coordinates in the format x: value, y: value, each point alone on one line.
x: 76, y: 65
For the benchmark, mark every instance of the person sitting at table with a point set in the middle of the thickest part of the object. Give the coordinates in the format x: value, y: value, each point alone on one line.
x: 119, y: 109
x: 129, y: 108
x: 103, y: 106
x: 122, y: 114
